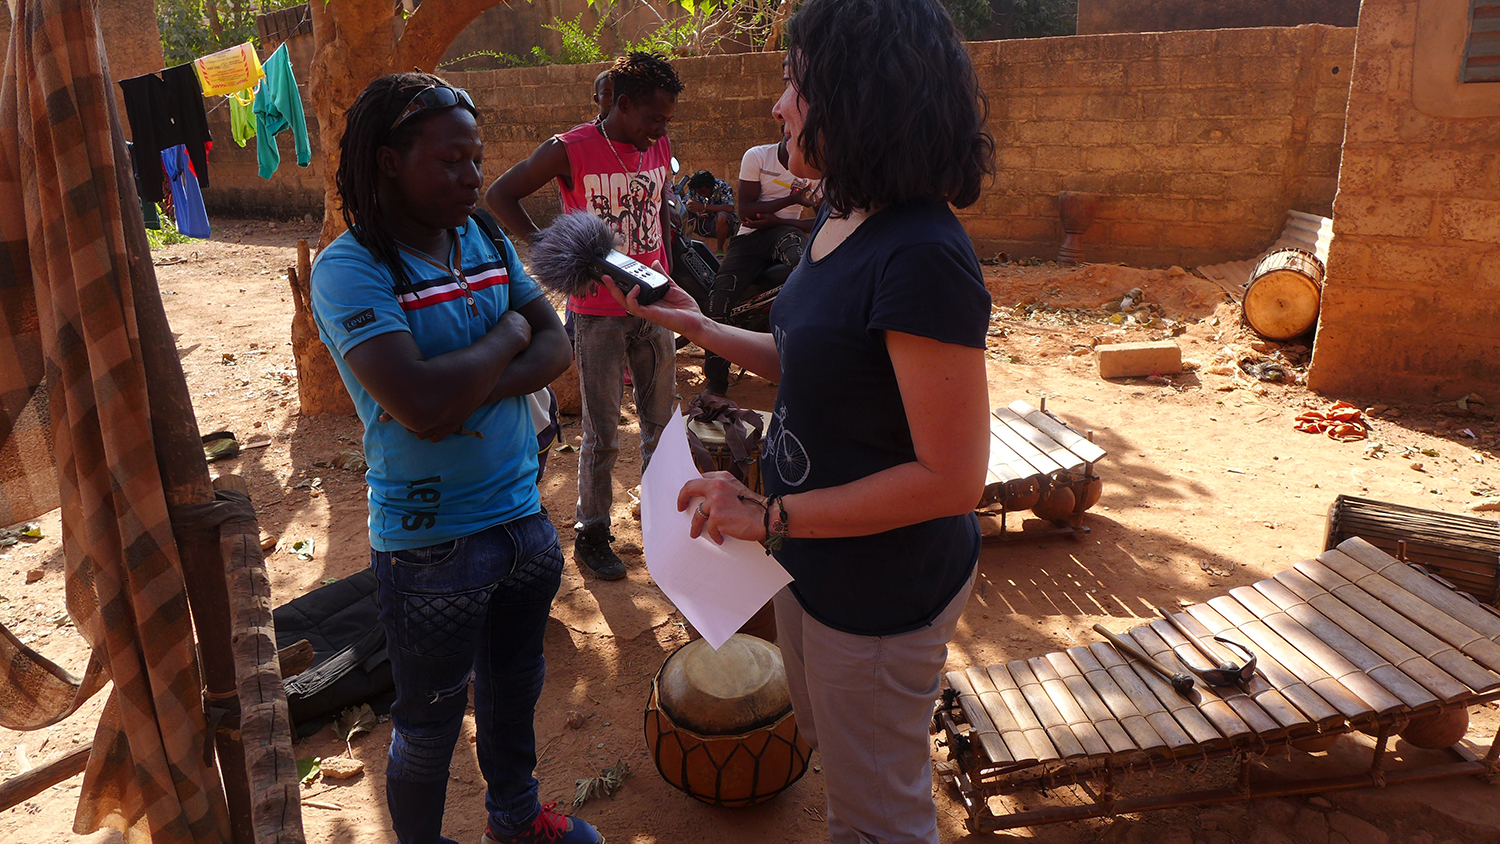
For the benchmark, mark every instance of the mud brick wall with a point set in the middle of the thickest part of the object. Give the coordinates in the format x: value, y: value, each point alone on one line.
x: 235, y: 186
x: 1096, y: 16
x: 1411, y: 307
x: 1199, y: 141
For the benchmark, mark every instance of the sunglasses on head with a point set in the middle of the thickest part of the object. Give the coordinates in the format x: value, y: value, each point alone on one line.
x: 435, y: 96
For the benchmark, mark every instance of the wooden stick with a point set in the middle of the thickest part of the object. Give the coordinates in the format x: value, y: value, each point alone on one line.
x: 1258, y: 689
x: 265, y: 724
x: 1180, y: 680
x: 1207, y: 698
x: 1140, y: 681
x: 1253, y: 714
x: 19, y: 789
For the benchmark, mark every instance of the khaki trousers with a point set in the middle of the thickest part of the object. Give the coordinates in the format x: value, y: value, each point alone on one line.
x: 864, y: 703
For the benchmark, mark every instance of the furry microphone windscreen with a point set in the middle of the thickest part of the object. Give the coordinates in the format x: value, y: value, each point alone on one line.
x: 562, y: 255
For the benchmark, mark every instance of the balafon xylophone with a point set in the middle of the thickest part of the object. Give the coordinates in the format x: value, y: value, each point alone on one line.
x: 1354, y: 640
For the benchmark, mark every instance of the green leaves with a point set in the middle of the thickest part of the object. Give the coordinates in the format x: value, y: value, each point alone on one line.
x: 603, y: 784
x: 353, y: 721
x: 307, y: 769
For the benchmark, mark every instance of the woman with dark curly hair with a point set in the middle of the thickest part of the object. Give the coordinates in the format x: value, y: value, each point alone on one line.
x: 876, y: 453
x: 439, y: 335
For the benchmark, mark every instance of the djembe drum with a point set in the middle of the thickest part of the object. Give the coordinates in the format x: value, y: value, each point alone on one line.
x: 711, y: 434
x: 719, y: 724
x: 716, y: 443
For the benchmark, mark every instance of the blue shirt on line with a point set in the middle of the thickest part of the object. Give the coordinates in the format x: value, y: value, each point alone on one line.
x: 423, y: 493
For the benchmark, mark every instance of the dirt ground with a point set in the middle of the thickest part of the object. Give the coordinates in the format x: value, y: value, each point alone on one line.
x: 1207, y: 487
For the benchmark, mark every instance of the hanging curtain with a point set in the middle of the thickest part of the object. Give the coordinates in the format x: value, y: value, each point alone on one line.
x: 71, y: 319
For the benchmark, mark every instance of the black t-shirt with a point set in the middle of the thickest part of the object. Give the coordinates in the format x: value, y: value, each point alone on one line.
x: 839, y: 415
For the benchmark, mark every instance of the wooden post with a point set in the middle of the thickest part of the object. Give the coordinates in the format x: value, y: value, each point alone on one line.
x: 185, y: 480
x: 265, y: 725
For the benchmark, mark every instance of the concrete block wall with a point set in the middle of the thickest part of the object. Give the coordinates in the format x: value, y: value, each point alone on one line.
x: 1198, y: 141
x: 724, y: 110
x: 1411, y: 306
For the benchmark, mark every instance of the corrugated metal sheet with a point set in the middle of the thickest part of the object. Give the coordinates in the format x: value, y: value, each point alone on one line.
x: 1482, y: 52
x: 1302, y: 231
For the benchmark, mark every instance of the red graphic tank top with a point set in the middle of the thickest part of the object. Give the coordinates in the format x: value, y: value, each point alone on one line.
x: 624, y: 186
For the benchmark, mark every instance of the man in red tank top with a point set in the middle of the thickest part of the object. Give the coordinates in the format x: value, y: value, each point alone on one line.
x: 619, y: 169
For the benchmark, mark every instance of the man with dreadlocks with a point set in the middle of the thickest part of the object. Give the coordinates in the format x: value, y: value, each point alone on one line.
x: 616, y: 168
x: 439, y: 336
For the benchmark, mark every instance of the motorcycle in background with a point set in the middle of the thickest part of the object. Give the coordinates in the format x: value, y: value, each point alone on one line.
x: 694, y: 267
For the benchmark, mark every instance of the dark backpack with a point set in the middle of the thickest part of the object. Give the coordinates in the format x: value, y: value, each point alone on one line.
x: 350, y: 665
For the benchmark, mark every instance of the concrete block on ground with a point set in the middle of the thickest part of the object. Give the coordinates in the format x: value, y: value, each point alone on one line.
x: 1129, y: 360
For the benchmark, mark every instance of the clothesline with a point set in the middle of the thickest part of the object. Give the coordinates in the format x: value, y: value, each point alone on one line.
x: 166, y: 110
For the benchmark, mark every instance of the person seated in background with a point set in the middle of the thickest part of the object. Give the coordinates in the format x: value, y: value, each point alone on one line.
x: 710, y: 208
x: 773, y: 231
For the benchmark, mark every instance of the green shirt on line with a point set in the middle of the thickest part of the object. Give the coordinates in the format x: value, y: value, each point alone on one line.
x: 278, y: 107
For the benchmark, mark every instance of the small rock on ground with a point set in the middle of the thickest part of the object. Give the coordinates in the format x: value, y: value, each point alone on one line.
x: 1356, y: 830
x: 340, y: 767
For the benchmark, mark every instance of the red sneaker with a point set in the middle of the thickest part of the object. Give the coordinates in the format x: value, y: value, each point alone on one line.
x: 550, y: 827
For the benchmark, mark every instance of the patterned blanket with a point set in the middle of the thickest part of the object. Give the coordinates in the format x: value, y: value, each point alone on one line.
x: 70, y: 322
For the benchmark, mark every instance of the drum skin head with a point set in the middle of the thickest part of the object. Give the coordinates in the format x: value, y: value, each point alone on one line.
x: 1282, y: 305
x: 1284, y: 294
x: 728, y: 737
x: 738, y: 688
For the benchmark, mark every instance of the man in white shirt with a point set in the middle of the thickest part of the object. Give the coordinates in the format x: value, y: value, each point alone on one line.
x: 772, y: 230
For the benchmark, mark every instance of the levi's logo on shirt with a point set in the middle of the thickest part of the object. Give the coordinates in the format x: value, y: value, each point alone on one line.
x: 360, y: 320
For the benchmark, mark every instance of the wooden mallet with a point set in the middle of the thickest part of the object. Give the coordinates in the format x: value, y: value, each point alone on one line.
x: 1182, y: 683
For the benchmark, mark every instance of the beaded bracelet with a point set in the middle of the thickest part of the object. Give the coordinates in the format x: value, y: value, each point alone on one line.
x: 776, y: 529
x: 775, y: 533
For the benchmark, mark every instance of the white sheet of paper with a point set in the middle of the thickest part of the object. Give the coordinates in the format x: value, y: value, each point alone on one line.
x: 718, y: 587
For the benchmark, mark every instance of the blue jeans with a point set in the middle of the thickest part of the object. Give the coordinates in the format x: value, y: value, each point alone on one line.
x: 471, y: 609
x: 601, y: 345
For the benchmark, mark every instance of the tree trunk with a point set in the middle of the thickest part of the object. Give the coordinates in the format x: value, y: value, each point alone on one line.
x: 354, y: 43
x: 432, y: 28
x: 320, y: 388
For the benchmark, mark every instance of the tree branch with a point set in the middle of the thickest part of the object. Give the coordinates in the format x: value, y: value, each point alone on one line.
x: 432, y: 28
